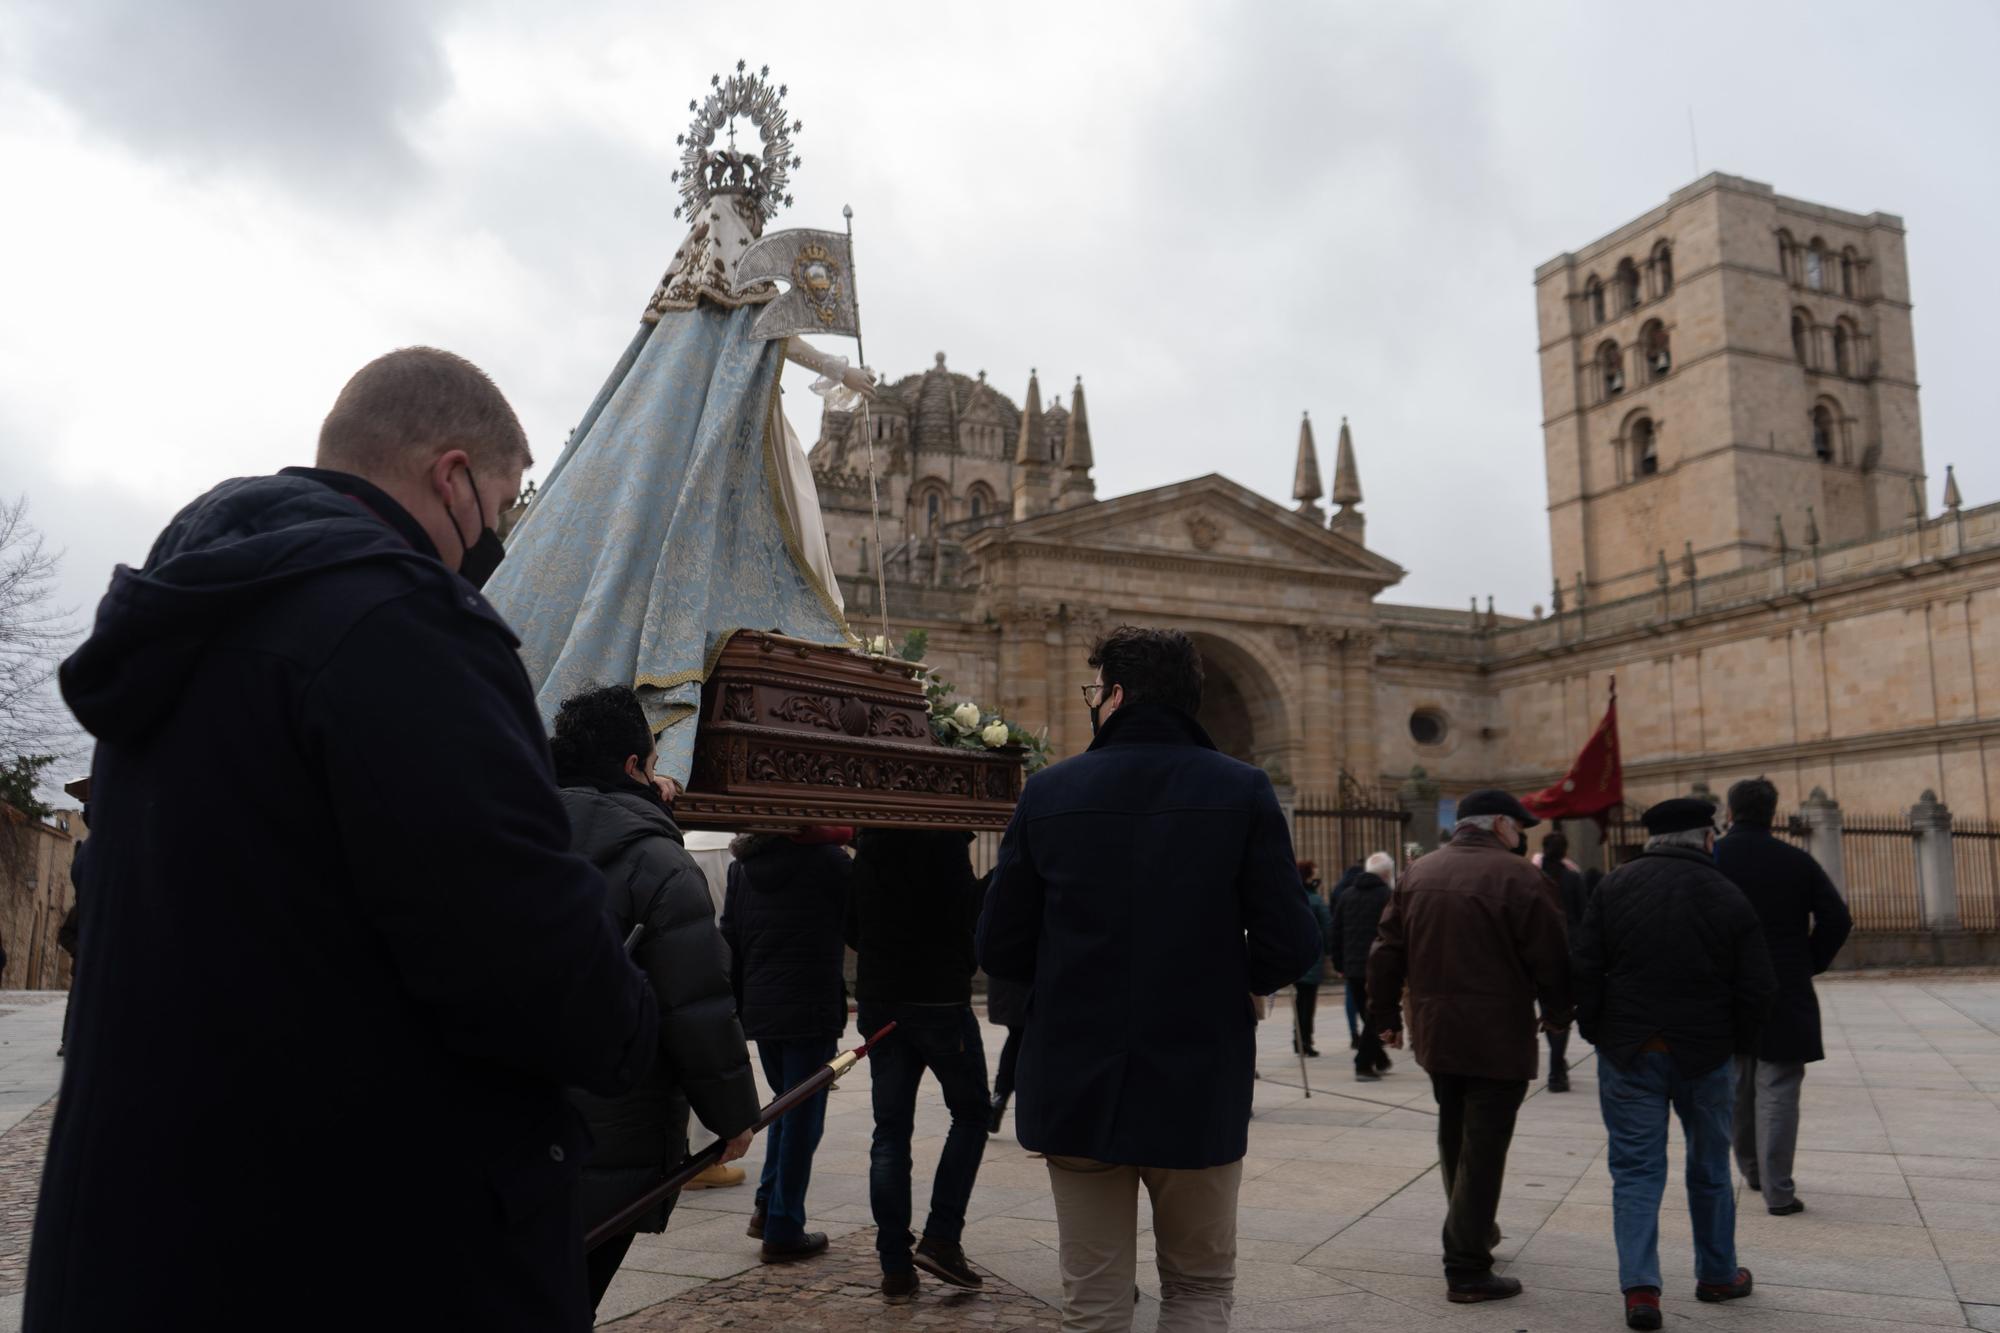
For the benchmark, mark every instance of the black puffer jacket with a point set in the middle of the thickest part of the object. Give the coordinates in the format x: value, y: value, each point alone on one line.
x: 1670, y: 948
x: 782, y: 917
x: 703, y: 1062
x: 1356, y: 913
x: 910, y: 914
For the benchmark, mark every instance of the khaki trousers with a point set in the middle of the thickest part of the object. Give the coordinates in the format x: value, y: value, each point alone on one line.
x: 1194, y: 1230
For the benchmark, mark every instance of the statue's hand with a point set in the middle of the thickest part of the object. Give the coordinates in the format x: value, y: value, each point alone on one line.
x: 860, y: 379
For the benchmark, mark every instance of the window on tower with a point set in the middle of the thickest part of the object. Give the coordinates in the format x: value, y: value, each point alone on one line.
x: 1611, y: 368
x: 1848, y: 265
x: 1628, y: 286
x: 1785, y: 247
x: 1645, y: 448
x: 933, y: 512
x: 1663, y: 267
x: 1801, y: 337
x: 1841, y: 351
x: 1593, y: 292
x: 1822, y: 433
x: 1816, y: 265
x: 1658, y: 354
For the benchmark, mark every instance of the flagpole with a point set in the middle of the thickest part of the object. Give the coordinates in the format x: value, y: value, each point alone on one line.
x: 868, y: 435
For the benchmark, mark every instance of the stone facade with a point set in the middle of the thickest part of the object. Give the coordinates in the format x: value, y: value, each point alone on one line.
x: 1753, y: 564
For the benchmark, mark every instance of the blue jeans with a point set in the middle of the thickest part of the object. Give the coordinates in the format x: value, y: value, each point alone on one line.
x: 943, y: 1038
x: 790, y: 1142
x: 1635, y: 1103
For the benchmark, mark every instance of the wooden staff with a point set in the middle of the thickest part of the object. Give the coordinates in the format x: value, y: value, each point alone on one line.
x: 825, y: 1076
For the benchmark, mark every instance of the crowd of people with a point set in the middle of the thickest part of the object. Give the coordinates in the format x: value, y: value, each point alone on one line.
x: 477, y: 991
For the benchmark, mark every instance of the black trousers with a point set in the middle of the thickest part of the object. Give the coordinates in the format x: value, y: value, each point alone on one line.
x: 601, y: 1264
x: 1475, y: 1129
x: 1368, y: 1056
x: 1306, y: 999
x: 1010, y: 1055
x: 1558, y: 1053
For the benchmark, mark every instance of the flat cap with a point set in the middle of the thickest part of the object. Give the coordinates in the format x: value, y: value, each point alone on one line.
x: 1493, y: 801
x: 1678, y: 815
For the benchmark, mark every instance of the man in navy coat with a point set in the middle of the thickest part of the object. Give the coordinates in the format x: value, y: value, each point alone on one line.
x: 1147, y: 890
x: 337, y: 959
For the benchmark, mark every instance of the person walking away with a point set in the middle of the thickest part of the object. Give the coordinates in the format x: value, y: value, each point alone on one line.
x: 1305, y: 991
x: 619, y: 821
x: 1566, y: 882
x: 910, y: 914
x: 782, y: 917
x: 1353, y: 935
x: 1147, y: 890
x: 1672, y: 980
x: 1474, y: 933
x: 1354, y: 1023
x: 1805, y: 923
x: 365, y: 1101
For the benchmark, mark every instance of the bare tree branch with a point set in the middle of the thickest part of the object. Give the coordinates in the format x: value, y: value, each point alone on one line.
x: 35, y: 634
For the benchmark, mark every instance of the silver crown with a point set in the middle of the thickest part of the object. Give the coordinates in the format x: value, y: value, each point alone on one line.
x: 707, y: 171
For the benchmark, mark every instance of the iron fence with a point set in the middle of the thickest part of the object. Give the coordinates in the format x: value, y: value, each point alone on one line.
x: 1341, y: 828
x: 1975, y: 854
x: 1881, y: 856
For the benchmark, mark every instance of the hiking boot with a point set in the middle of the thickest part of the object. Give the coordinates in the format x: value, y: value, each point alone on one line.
x: 716, y: 1177
x: 947, y: 1264
x: 900, y: 1287
x: 758, y: 1216
x: 1724, y: 1291
x: 787, y: 1251
x: 1642, y: 1307
x: 1485, y: 1287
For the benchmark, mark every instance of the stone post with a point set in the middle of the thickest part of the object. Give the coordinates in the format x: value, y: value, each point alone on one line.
x: 1937, y: 876
x: 1820, y: 814
x: 1419, y: 798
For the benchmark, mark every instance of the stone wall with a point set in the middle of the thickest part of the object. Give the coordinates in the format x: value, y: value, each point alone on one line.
x: 35, y: 895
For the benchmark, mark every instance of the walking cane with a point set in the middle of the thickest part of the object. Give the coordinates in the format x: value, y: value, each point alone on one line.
x: 825, y: 1076
x: 1299, y: 1044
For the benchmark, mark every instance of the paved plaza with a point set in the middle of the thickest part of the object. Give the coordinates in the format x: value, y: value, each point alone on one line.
x: 1900, y: 1169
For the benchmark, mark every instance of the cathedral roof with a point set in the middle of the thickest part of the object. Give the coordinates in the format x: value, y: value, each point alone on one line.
x: 939, y: 398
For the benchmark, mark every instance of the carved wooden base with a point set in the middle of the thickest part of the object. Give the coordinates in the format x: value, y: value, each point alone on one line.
x: 797, y: 733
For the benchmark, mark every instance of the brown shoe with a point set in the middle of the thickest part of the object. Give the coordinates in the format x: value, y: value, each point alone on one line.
x: 755, y: 1231
x: 789, y: 1251
x: 1725, y: 1291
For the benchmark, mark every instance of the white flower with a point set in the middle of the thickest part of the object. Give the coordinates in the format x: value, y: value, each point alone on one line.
x: 966, y: 716
x: 995, y: 735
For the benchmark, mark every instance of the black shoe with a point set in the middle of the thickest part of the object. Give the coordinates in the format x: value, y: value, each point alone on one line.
x: 1312, y: 1053
x: 1558, y: 1082
x: 1724, y: 1291
x: 900, y: 1287
x: 1752, y: 1184
x: 1384, y: 1065
x: 1366, y: 1076
x: 755, y: 1231
x: 1792, y: 1209
x: 1642, y: 1307
x: 1354, y: 1043
x: 947, y: 1264
x: 996, y: 1115
x: 784, y: 1252
x: 1485, y: 1287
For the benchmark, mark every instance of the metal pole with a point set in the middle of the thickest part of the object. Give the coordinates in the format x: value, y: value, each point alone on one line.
x: 868, y: 435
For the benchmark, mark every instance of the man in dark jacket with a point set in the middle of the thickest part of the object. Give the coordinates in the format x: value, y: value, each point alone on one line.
x: 1476, y: 936
x: 1357, y: 911
x: 360, y: 1105
x: 1147, y: 888
x: 910, y: 912
x: 1805, y: 923
x: 1672, y: 979
x: 1305, y: 991
x: 783, y: 914
x: 618, y: 819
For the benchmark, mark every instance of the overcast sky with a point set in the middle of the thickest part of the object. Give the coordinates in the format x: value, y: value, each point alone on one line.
x: 1217, y: 215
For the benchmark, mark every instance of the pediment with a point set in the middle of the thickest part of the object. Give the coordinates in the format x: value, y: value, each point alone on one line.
x: 1211, y: 518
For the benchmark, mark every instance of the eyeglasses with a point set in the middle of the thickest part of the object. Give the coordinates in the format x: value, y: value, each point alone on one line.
x: 1093, y: 695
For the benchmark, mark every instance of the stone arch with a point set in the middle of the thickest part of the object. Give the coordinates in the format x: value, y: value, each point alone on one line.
x: 1244, y: 703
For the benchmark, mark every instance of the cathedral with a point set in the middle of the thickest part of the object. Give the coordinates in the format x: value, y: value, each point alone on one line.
x: 1737, y: 516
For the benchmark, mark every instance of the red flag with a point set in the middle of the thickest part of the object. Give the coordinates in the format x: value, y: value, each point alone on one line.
x: 1595, y: 783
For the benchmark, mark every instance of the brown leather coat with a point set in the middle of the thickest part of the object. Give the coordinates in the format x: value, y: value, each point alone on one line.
x: 1477, y: 936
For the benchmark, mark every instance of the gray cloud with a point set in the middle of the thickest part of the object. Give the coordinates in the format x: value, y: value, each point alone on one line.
x: 319, y: 94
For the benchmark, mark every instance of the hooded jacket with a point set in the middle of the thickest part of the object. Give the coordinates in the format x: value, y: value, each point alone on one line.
x: 337, y: 961
x: 1147, y: 890
x: 703, y: 1062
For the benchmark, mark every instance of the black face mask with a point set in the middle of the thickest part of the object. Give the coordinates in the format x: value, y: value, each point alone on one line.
x: 481, y: 557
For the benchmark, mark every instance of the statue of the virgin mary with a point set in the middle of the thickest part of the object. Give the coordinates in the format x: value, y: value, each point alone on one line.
x: 683, y: 509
